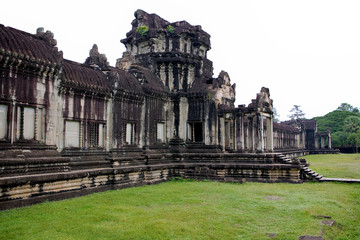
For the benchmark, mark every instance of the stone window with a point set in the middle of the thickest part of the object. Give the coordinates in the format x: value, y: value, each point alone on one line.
x: 29, y: 123
x: 160, y: 132
x: 195, y: 132
x: 39, y: 124
x: 96, y: 134
x: 130, y: 133
x: 101, y: 135
x: 3, y: 121
x: 72, y: 134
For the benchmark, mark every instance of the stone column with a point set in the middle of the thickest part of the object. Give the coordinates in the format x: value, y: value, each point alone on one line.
x: 260, y: 133
x: 269, y: 134
x: 250, y: 136
x: 13, y: 121
x: 322, y: 142
x: 183, y: 116
x: 109, y: 124
x: 144, y: 125
x: 234, y: 133
x: 316, y: 142
x: 81, y: 137
x: 329, y: 142
x: 241, y: 132
x: 222, y: 132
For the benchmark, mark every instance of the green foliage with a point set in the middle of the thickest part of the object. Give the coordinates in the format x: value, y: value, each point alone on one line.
x: 338, y: 139
x: 335, y: 120
x: 353, y: 139
x: 142, y: 30
x: 348, y: 107
x: 352, y: 124
x: 343, y: 121
x: 193, y: 210
x: 170, y: 29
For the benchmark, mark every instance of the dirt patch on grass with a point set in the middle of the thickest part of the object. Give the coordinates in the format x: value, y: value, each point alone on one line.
x: 273, y: 198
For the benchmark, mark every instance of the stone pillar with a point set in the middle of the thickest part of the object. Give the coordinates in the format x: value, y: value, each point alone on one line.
x: 144, y: 125
x: 183, y: 116
x: 109, y: 124
x: 269, y: 134
x: 329, y: 141
x: 13, y: 121
x: 81, y: 137
x: 250, y: 136
x: 222, y: 132
x: 234, y: 133
x: 322, y: 142
x: 316, y: 142
x: 241, y: 132
x: 260, y: 133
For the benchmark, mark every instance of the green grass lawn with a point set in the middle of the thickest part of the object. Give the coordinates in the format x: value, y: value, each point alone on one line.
x: 193, y: 210
x: 336, y: 165
x: 202, y: 210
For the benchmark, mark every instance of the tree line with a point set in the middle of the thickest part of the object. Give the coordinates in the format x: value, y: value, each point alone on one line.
x: 344, y: 123
x: 345, y: 126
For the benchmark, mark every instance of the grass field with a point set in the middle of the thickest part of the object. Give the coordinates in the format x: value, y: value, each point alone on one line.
x: 336, y: 165
x: 194, y: 210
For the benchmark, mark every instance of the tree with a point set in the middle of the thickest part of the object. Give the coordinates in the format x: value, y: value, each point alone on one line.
x: 334, y: 120
x: 354, y: 140
x: 352, y: 124
x: 339, y: 139
x: 347, y: 107
x: 352, y: 128
x: 297, y: 113
x: 276, y: 115
x: 341, y: 124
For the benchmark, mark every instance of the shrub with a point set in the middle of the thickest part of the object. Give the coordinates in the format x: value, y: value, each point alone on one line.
x: 170, y: 29
x: 142, y: 30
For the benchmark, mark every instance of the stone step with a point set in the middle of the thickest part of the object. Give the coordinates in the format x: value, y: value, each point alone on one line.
x: 32, y: 160
x: 89, y: 165
x: 34, y: 164
x: 346, y: 180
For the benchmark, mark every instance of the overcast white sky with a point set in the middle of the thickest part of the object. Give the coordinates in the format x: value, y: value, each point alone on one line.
x: 307, y: 52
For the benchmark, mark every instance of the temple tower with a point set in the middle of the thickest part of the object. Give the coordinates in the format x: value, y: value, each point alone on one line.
x: 177, y: 54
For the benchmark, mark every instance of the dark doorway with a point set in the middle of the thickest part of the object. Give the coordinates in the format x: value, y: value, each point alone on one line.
x: 198, y: 132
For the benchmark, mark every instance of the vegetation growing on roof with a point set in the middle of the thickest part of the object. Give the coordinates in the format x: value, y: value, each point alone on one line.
x: 142, y: 30
x: 170, y: 29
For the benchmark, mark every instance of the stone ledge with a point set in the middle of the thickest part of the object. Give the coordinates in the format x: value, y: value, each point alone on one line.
x: 34, y: 188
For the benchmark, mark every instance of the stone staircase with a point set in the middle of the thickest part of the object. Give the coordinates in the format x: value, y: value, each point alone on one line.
x: 308, y: 173
x: 281, y: 158
x: 311, y: 174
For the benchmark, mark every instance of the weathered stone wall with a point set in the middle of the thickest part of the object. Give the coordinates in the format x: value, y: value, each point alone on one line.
x: 28, y: 80
x: 25, y: 190
x: 159, y: 114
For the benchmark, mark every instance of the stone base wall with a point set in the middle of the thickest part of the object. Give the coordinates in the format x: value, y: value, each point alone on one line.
x: 21, y: 190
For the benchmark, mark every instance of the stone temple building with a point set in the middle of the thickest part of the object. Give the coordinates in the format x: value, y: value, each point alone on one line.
x: 68, y: 128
